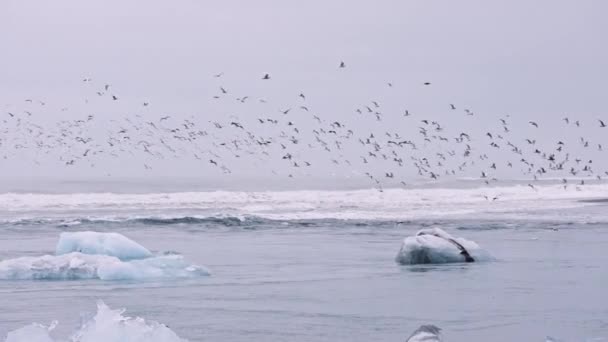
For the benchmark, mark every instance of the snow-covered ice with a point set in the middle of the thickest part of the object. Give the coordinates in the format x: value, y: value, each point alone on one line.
x: 435, y: 246
x: 112, y: 244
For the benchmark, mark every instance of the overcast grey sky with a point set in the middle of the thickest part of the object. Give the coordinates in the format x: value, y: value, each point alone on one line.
x: 539, y: 60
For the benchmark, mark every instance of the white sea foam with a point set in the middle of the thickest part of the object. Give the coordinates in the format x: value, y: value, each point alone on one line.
x: 435, y: 246
x: 391, y: 204
x: 106, y: 326
x: 112, y: 244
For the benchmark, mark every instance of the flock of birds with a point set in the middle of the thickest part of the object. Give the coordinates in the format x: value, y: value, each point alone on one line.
x: 288, y: 141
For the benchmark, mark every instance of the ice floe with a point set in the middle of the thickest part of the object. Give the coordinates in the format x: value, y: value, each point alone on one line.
x: 105, y: 256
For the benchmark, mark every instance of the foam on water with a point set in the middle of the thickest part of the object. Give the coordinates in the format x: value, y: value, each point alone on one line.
x: 112, y: 244
x: 391, y: 204
x: 106, y: 326
x: 433, y: 246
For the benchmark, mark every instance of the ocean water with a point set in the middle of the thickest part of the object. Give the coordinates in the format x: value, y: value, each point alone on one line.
x: 320, y: 265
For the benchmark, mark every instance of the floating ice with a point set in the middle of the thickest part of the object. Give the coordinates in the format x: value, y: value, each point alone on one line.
x: 106, y: 326
x: 435, y: 246
x: 76, y: 265
x: 31, y: 333
x: 112, y: 244
x: 105, y: 256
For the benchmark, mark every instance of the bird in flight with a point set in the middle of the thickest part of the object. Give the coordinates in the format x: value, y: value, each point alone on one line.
x: 266, y: 77
x: 342, y: 65
x: 602, y: 124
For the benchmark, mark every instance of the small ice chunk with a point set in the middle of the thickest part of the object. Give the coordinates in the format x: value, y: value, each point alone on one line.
x: 106, y: 326
x: 111, y: 326
x: 112, y: 244
x: 31, y: 333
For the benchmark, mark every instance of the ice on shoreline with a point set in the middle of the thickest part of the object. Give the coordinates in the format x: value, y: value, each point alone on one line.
x: 435, y: 246
x: 107, y: 325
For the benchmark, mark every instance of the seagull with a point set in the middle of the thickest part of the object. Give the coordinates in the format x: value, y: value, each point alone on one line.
x: 452, y: 106
x: 602, y: 124
x: 533, y: 124
x: 266, y: 77
x: 218, y: 75
x: 342, y: 65
x: 114, y: 97
x: 427, y: 83
x: 428, y: 333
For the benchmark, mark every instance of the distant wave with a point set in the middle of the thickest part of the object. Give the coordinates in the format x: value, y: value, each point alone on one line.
x: 238, y: 208
x: 222, y: 221
x: 181, y: 220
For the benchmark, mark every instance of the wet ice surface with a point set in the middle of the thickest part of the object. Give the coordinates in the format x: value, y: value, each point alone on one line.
x: 334, y: 280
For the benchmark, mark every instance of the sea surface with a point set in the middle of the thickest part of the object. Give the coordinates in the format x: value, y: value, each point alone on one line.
x: 313, y: 265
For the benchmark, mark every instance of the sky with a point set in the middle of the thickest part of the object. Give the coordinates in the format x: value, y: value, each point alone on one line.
x: 540, y: 61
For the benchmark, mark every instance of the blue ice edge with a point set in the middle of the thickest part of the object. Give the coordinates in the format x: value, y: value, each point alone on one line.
x: 104, y: 256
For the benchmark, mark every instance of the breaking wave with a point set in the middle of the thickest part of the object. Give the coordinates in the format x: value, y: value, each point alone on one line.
x: 235, y: 208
